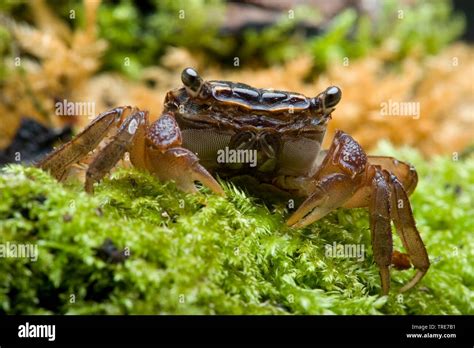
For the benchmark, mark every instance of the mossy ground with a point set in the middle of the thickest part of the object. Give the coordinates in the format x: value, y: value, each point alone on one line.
x: 202, y: 254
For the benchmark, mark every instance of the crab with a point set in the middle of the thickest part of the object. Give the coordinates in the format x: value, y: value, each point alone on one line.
x: 224, y: 128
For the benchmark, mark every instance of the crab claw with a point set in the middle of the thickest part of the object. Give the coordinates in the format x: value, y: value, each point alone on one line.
x: 348, y: 178
x: 330, y: 193
x: 165, y: 158
x: 182, y: 166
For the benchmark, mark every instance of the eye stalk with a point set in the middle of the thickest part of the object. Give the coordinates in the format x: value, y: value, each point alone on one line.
x: 332, y: 96
x: 325, y: 102
x: 191, y: 81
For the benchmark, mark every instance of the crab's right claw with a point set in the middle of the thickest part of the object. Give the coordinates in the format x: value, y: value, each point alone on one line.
x: 182, y: 166
x: 163, y: 156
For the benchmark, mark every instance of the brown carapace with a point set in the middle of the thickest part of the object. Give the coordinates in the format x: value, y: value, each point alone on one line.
x: 231, y: 129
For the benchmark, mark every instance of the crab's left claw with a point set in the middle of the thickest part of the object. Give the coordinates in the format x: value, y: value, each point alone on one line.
x: 329, y: 193
x: 336, y: 181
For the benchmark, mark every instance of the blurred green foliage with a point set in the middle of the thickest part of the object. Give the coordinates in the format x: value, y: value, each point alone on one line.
x: 5, y: 39
x: 426, y: 28
x: 204, y: 254
x: 194, y: 25
x: 277, y: 43
x: 143, y: 37
x: 139, y: 32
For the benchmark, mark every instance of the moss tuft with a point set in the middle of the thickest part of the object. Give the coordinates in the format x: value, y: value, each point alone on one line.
x: 202, y: 254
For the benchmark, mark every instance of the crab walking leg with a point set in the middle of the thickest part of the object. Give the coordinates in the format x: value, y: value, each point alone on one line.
x: 115, y: 149
x: 59, y: 160
x: 404, y: 222
x: 167, y: 160
x: 404, y: 172
x: 341, y: 173
x: 381, y: 230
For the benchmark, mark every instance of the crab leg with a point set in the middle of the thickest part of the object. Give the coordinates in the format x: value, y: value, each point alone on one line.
x: 59, y: 160
x: 404, y: 172
x: 381, y: 230
x: 115, y: 149
x: 405, y: 225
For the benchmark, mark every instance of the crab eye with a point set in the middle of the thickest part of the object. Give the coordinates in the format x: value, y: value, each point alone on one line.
x: 192, y: 81
x: 332, y: 96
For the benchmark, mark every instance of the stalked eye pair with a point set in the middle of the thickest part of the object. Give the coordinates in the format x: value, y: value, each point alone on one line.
x: 191, y: 81
x: 329, y: 98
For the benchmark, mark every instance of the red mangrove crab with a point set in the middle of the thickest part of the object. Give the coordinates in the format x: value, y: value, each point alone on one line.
x: 228, y: 129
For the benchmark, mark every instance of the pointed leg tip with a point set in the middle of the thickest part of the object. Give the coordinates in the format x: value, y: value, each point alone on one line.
x: 414, y: 281
x: 89, y: 190
x: 406, y: 287
x: 89, y: 186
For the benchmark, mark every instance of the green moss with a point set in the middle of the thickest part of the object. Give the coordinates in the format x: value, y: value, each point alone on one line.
x: 193, y: 254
